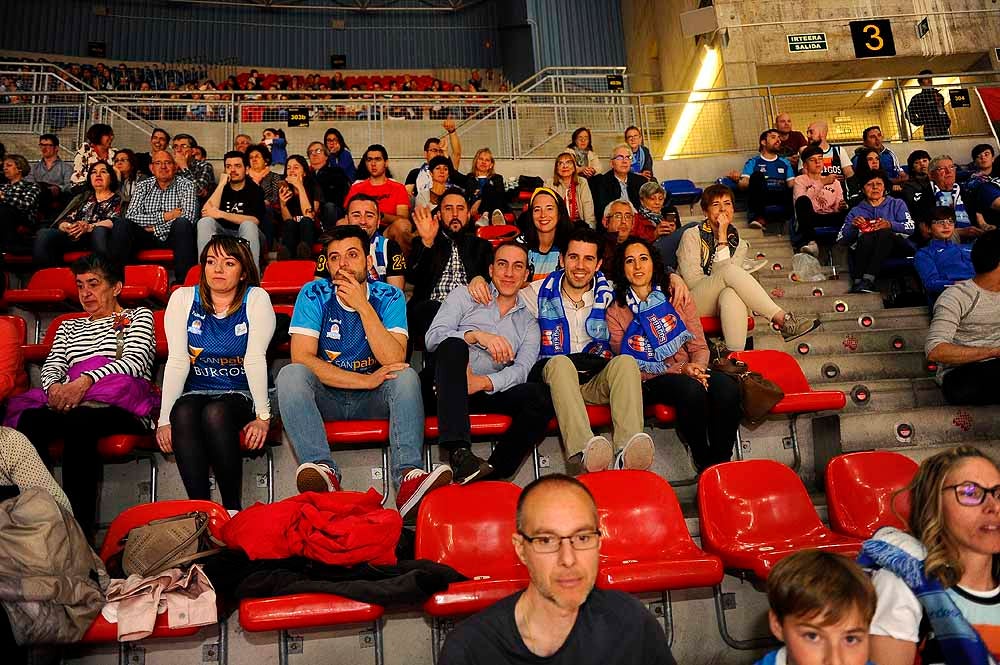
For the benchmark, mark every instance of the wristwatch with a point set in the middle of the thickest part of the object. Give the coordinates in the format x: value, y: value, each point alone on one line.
x: 266, y: 416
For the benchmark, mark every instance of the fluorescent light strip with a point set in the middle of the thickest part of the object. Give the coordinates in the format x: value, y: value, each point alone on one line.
x: 706, y: 78
x: 875, y: 86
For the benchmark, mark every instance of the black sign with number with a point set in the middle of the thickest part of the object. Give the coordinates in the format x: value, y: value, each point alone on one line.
x: 298, y: 117
x: 338, y: 61
x: 97, y: 49
x: 616, y: 82
x: 873, y: 38
x: 960, y: 98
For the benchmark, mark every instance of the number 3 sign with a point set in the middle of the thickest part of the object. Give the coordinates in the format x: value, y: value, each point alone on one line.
x: 873, y: 38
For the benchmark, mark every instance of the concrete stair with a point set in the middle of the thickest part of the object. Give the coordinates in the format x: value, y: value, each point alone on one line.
x: 881, y: 395
x: 854, y: 302
x: 821, y: 342
x: 920, y: 427
x: 821, y: 370
x: 875, y: 318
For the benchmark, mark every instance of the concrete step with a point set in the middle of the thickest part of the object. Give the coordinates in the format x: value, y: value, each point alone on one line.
x: 854, y: 302
x: 920, y: 427
x: 876, y: 319
x: 888, y: 394
x: 825, y: 369
x: 770, y: 279
x: 791, y: 289
x: 846, y: 341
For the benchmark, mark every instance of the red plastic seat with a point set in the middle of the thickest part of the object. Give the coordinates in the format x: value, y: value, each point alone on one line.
x: 483, y: 425
x: 37, y: 353
x: 712, y: 325
x: 48, y: 288
x: 19, y: 325
x: 861, y: 488
x: 756, y: 512
x: 164, y: 256
x: 144, y: 283
x: 70, y: 257
x: 646, y: 546
x: 103, y: 632
x: 304, y: 610
x: 497, y: 235
x: 469, y: 528
x: 284, y: 279
x: 785, y: 371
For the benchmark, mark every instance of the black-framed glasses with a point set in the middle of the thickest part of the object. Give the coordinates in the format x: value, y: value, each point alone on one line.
x: 46, y: 145
x: 548, y: 543
x: 971, y: 493
x: 239, y: 239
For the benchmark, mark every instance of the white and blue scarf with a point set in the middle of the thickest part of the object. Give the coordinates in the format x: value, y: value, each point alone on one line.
x: 555, y: 327
x: 656, y: 333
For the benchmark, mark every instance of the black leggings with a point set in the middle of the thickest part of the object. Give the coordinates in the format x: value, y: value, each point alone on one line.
x: 205, y: 430
x: 972, y: 383
x: 707, y: 420
x: 874, y: 248
x: 808, y: 220
x: 82, y: 467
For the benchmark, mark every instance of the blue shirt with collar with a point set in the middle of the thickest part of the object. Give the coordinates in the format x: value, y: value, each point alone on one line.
x: 460, y: 314
x: 941, y: 263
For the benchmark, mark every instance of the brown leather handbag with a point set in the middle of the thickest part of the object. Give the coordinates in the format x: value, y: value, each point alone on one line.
x: 758, y: 394
x: 170, y: 542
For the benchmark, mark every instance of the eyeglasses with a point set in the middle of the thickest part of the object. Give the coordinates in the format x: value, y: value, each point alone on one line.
x: 314, y: 151
x: 623, y: 217
x: 46, y: 145
x: 972, y: 494
x: 621, y: 158
x: 946, y: 169
x: 943, y: 222
x: 162, y: 162
x: 547, y: 543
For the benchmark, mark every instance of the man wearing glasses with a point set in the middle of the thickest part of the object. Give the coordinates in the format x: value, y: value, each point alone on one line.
x: 235, y: 208
x: 964, y: 339
x: 393, y: 201
x: 942, y: 190
x: 50, y: 172
x: 942, y: 262
x: 560, y: 618
x: 619, y: 182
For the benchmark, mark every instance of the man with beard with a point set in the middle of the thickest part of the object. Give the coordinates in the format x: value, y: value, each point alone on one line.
x: 560, y: 619
x: 570, y: 305
x: 388, y: 260
x: 792, y: 141
x: 446, y: 255
x: 393, y: 200
x: 235, y: 208
x: 768, y: 179
x: 348, y: 362
x: 836, y: 161
x: 158, y: 140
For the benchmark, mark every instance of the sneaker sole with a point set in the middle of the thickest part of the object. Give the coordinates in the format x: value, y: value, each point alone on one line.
x: 485, y: 469
x: 638, y: 455
x: 311, y: 480
x: 813, y: 327
x: 599, y: 459
x: 439, y: 477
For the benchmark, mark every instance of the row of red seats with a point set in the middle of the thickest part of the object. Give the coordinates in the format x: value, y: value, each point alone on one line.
x: 753, y: 513
x: 420, y: 83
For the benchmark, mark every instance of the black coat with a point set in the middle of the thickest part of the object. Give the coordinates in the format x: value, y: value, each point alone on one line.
x: 425, y: 264
x: 605, y: 189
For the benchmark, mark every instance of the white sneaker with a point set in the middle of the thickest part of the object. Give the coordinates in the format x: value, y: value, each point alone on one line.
x: 637, y: 455
x: 753, y: 265
x: 498, y: 218
x: 597, y: 454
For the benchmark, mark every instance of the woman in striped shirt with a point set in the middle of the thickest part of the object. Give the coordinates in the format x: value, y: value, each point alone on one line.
x: 110, y: 344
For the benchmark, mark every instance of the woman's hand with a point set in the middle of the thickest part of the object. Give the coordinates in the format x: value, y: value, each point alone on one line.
x: 255, y: 433
x: 285, y: 195
x: 696, y: 371
x: 164, y: 439
x: 66, y: 396
x: 680, y: 295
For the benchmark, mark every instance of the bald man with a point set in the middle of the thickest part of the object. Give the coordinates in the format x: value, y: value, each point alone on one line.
x: 791, y: 141
x: 836, y: 159
x: 560, y: 619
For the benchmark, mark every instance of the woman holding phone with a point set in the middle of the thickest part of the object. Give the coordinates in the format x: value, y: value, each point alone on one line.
x: 653, y: 219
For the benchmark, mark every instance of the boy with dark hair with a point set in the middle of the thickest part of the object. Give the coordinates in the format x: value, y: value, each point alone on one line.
x: 942, y: 261
x: 821, y: 607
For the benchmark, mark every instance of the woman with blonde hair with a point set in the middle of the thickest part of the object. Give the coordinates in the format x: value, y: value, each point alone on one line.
x: 487, y: 190
x: 938, y: 586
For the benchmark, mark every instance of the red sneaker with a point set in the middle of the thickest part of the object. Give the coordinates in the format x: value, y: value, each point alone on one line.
x: 416, y: 484
x: 312, y: 477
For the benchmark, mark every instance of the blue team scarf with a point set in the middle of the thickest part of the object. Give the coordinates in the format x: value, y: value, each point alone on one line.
x: 554, y: 326
x: 959, y: 641
x: 379, y: 243
x: 656, y: 333
x: 953, y: 199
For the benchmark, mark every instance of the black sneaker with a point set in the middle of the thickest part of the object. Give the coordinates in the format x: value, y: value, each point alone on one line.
x: 866, y: 286
x: 466, y: 467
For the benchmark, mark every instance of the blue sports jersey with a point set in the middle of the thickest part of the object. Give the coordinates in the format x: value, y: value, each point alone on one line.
x: 540, y: 265
x: 342, y: 340
x: 216, y: 348
x: 777, y: 172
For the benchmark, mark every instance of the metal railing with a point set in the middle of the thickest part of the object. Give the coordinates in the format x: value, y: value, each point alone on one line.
x: 534, y: 120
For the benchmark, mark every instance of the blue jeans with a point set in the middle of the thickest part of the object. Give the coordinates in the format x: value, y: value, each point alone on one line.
x: 305, y: 404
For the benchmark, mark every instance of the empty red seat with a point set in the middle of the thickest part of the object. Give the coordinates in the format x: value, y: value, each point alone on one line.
x: 645, y: 544
x: 19, y: 326
x: 756, y: 512
x: 70, y: 257
x: 144, y: 284
x: 497, y: 235
x: 164, y: 256
x: 799, y: 397
x: 284, y: 279
x: 469, y: 528
x: 37, y: 353
x: 101, y: 631
x: 861, y: 491
x: 48, y: 288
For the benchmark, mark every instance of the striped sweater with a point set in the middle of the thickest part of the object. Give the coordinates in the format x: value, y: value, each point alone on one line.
x: 80, y: 339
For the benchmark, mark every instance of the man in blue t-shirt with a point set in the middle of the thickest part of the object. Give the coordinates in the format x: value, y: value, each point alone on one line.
x: 768, y: 179
x: 348, y: 362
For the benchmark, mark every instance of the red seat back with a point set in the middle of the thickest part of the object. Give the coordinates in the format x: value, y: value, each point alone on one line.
x: 295, y: 271
x: 860, y: 489
x: 50, y: 332
x: 469, y: 528
x: 153, y: 277
x: 193, y: 278
x: 20, y: 327
x: 777, y: 366
x: 497, y: 235
x: 54, y: 278
x: 639, y: 514
x: 753, y: 502
x: 146, y: 513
